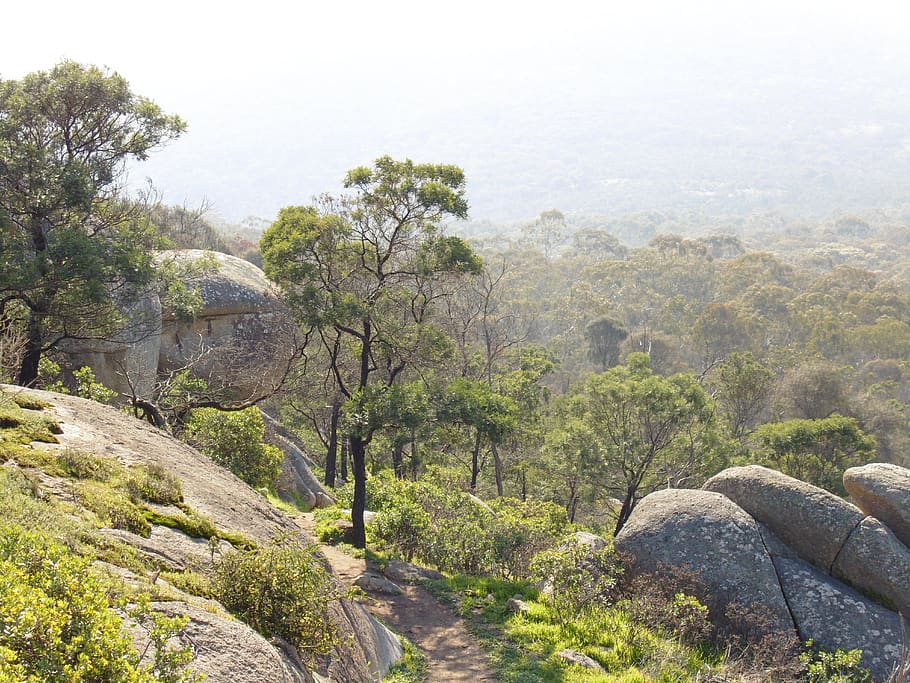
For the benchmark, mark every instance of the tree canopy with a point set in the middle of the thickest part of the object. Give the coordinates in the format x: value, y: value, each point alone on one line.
x: 71, y: 243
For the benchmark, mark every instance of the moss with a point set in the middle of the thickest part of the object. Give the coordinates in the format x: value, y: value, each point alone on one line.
x: 83, y: 465
x: 154, y: 484
x: 188, y: 581
x: 113, y: 508
x: 29, y: 401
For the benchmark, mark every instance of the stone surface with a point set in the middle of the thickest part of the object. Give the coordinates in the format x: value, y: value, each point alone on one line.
x: 715, y: 539
x: 365, y: 645
x: 127, y: 360
x: 812, y: 521
x: 874, y: 561
x: 518, y: 605
x: 579, y: 659
x: 882, y: 490
x: 226, y: 650
x: 836, y: 616
x: 241, y: 338
x: 296, y: 481
x: 375, y: 583
x: 405, y: 572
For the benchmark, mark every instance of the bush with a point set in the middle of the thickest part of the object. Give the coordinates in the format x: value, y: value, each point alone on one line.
x: 840, y: 666
x: 113, y: 509
x: 280, y: 590
x: 155, y: 484
x: 579, y: 578
x: 234, y: 440
x: 83, y: 465
x: 665, y: 601
x: 55, y: 620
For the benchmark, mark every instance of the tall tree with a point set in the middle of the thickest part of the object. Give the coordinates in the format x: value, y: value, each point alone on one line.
x: 71, y: 246
x: 365, y: 272
x: 653, y: 431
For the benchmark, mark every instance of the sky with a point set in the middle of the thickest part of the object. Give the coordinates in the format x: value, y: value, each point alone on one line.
x: 281, y: 98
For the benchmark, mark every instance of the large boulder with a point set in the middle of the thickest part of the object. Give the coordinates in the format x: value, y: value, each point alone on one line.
x: 875, y: 562
x: 837, y: 617
x: 812, y: 521
x: 716, y: 540
x: 226, y: 650
x: 882, y: 490
x: 242, y: 337
x: 126, y: 360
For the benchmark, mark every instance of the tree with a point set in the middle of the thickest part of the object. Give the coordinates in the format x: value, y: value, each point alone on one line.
x: 71, y: 245
x: 364, y: 272
x: 653, y: 431
x: 744, y: 388
x: 604, y: 335
x: 815, y: 451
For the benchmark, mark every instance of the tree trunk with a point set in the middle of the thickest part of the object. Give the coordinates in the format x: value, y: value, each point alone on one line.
x: 475, y: 462
x: 344, y: 459
x: 497, y: 469
x: 415, y: 463
x: 398, y: 460
x: 358, y: 457
x: 28, y: 370
x: 331, y: 458
x: 625, y: 511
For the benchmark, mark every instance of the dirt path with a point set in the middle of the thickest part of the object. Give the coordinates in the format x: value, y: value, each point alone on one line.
x: 452, y: 653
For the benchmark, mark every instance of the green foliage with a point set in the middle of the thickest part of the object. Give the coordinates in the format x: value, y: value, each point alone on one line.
x: 411, y: 668
x: 234, y: 440
x: 190, y: 522
x: 451, y: 530
x: 169, y: 661
x: 280, y: 590
x: 70, y: 242
x: 113, y: 508
x: 84, y: 465
x: 155, y: 484
x: 840, y: 666
x: 524, y: 644
x: 21, y: 426
x: 815, y: 451
x: 86, y: 386
x: 56, y: 623
x: 579, y: 577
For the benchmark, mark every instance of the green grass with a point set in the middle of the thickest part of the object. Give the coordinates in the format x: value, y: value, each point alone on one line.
x: 411, y: 668
x: 523, y: 647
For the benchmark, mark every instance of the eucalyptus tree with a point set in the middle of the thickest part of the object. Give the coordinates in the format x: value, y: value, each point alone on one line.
x: 364, y: 272
x: 71, y: 244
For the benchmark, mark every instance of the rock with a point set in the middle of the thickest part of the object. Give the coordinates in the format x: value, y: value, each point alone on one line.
x: 519, y: 606
x: 226, y: 650
x: 836, y: 616
x: 323, y: 500
x: 405, y: 572
x: 374, y: 583
x: 241, y: 339
x: 716, y: 540
x: 882, y: 490
x: 579, y: 659
x: 173, y: 548
x: 875, y: 562
x: 593, y: 541
x: 127, y: 360
x: 812, y: 521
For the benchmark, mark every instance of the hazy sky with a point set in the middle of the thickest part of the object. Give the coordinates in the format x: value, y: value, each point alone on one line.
x: 282, y: 97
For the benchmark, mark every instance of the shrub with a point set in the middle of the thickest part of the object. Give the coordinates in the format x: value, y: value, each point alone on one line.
x: 579, y: 578
x: 55, y: 621
x: 83, y: 465
x: 665, y: 601
x: 840, y: 666
x: 113, y: 508
x: 155, y: 484
x: 280, y: 590
x: 234, y: 440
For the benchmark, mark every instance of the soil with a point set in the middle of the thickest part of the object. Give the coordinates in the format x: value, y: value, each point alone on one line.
x: 452, y: 653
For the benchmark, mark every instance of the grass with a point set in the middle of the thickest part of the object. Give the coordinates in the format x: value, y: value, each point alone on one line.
x: 411, y: 668
x: 523, y: 646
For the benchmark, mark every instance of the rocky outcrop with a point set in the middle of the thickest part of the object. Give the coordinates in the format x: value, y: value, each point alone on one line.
x: 875, y: 562
x: 709, y: 535
x: 812, y: 521
x: 843, y: 575
x: 366, y: 649
x: 227, y: 650
x: 838, y: 617
x: 242, y: 336
x: 882, y: 490
x: 296, y: 481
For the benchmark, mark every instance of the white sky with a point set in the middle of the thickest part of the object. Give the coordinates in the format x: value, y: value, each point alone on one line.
x: 240, y: 72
